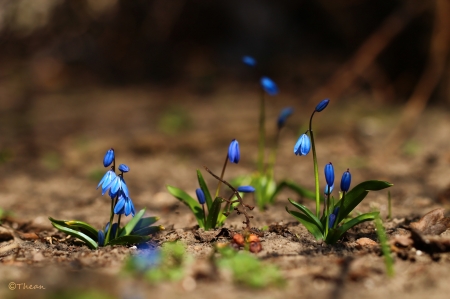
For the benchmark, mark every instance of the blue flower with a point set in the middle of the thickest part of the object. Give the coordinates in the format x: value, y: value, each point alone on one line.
x: 124, y: 168
x: 345, y: 181
x: 248, y: 60
x: 331, y: 220
x: 329, y: 174
x: 303, y: 146
x: 101, y: 238
x: 124, y: 206
x: 233, y: 151
x: 284, y: 114
x: 113, y: 230
x: 147, y: 259
x: 200, y: 196
x: 106, y: 180
x: 326, y: 189
x: 322, y: 105
x: 246, y: 189
x: 269, y: 86
x: 108, y: 158
x: 117, y: 185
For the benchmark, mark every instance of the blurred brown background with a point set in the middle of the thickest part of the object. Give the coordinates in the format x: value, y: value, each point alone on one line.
x: 392, y: 52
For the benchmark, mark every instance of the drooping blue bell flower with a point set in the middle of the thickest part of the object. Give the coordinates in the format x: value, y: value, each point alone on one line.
x: 326, y: 189
x: 200, y: 196
x: 124, y: 168
x: 108, y: 158
x: 233, y: 152
x: 106, y: 180
x: 248, y: 60
x: 284, y: 114
x: 303, y: 146
x: 269, y: 86
x: 329, y: 174
x: 246, y: 189
x: 116, y: 186
x: 124, y: 206
x: 345, y: 181
x: 322, y: 105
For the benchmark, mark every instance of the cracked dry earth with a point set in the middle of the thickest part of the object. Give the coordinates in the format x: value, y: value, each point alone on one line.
x: 72, y: 130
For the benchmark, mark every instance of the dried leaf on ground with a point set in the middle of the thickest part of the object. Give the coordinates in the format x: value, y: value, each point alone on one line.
x: 432, y: 223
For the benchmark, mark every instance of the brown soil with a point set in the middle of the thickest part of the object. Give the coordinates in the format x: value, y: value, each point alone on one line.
x: 54, y: 160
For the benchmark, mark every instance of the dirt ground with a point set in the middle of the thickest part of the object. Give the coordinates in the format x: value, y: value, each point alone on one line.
x: 52, y: 158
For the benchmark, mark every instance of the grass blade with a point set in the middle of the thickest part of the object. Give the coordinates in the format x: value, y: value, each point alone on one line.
x: 190, y: 202
x: 213, y: 214
x: 127, y: 229
x: 83, y: 237
x: 202, y: 183
x: 306, y: 221
x: 335, y: 234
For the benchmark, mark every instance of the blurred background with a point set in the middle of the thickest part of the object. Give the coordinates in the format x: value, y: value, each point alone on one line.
x: 66, y: 66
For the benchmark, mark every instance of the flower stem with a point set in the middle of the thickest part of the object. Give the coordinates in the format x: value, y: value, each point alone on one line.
x: 110, y: 222
x: 262, y: 133
x: 118, y: 226
x: 316, y: 168
x: 221, y: 176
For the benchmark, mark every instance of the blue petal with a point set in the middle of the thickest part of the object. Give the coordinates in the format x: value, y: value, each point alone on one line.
x: 118, y: 209
x: 127, y: 207
x: 101, y: 238
x: 246, y: 189
x: 303, y: 145
x: 200, y: 196
x: 234, y: 154
x: 124, y: 187
x: 284, y: 114
x: 322, y: 105
x: 329, y: 174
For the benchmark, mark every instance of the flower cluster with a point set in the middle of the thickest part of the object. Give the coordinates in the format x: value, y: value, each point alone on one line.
x: 116, y: 185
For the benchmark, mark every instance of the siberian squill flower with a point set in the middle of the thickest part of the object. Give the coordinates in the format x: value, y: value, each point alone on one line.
x: 345, y: 181
x: 322, y: 105
x: 200, y: 196
x: 248, y: 60
x: 124, y: 168
x: 106, y: 181
x: 303, y: 146
x: 328, y: 192
x: 269, y: 86
x: 329, y: 174
x: 246, y: 189
x: 108, y: 158
x: 124, y: 206
x: 233, y: 152
x: 284, y: 114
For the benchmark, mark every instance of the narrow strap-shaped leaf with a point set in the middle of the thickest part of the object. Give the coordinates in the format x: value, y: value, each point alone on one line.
x: 335, y: 234
x: 145, y: 231
x: 357, y: 194
x: 83, y: 237
x: 205, y: 189
x: 83, y: 227
x: 213, y: 214
x: 146, y: 221
x: 306, y: 221
x: 128, y: 240
x: 127, y: 229
x: 190, y: 202
x: 308, y: 214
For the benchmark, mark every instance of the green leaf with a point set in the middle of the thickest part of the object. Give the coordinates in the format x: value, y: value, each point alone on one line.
x: 127, y: 229
x: 144, y: 222
x: 213, y: 214
x: 306, y: 221
x: 205, y: 189
x: 335, y: 234
x: 83, y: 237
x: 84, y: 227
x: 128, y: 240
x: 193, y: 204
x: 302, y: 192
x: 79, y: 226
x: 308, y: 214
x: 148, y: 230
x: 357, y: 194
